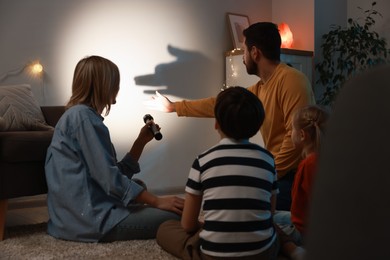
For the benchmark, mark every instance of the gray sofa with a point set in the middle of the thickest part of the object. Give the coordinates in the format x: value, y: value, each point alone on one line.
x: 22, y: 159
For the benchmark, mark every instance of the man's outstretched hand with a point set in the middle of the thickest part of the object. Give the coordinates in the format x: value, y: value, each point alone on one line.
x: 161, y: 103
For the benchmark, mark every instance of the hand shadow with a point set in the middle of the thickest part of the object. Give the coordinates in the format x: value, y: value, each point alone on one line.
x: 184, y: 77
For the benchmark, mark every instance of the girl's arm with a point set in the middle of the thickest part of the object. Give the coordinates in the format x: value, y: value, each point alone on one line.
x: 192, y: 205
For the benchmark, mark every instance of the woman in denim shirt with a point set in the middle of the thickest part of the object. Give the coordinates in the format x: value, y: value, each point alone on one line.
x: 91, y: 196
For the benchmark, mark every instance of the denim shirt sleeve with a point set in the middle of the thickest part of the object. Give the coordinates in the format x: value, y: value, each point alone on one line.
x: 128, y: 166
x: 99, y: 156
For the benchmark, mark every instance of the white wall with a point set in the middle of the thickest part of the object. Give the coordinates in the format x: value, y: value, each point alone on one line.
x: 136, y: 35
x: 176, y: 46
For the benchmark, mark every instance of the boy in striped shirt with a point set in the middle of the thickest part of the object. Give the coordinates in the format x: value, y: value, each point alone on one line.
x: 234, y: 184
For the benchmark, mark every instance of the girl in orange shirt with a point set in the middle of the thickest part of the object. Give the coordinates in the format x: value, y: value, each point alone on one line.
x: 307, y: 130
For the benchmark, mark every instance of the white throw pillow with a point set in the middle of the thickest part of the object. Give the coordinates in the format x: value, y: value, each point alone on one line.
x: 19, y: 110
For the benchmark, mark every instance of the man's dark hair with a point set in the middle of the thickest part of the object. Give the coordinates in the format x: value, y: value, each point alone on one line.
x: 265, y: 36
x: 239, y: 113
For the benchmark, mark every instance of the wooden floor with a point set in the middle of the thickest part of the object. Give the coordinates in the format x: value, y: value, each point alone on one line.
x: 26, y: 211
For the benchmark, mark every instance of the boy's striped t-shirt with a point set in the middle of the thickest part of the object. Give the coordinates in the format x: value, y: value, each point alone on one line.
x: 236, y: 181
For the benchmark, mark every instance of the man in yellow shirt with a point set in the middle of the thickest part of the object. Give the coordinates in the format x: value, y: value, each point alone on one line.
x: 282, y: 89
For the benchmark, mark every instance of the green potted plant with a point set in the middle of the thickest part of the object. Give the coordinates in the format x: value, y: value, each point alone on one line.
x: 348, y: 51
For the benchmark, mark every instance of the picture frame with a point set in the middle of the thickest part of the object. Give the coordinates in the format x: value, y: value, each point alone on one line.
x: 237, y: 23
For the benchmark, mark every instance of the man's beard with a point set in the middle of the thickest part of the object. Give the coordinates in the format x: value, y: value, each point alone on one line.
x: 251, y: 67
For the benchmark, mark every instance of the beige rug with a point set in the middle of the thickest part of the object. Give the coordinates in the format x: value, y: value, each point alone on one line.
x: 32, y: 242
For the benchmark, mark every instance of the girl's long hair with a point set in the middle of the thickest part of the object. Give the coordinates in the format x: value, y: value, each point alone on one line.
x: 95, y: 83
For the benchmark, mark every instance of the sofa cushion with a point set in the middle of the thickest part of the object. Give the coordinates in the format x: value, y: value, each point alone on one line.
x: 19, y: 111
x: 52, y: 114
x: 24, y: 146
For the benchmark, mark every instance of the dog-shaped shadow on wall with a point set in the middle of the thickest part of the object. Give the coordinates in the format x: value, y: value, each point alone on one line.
x: 185, y: 77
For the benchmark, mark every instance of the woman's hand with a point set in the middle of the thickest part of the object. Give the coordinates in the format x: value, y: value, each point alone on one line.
x: 171, y: 203
x: 161, y: 103
x: 146, y: 135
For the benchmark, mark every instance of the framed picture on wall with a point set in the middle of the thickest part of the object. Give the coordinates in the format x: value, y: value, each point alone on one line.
x: 237, y: 23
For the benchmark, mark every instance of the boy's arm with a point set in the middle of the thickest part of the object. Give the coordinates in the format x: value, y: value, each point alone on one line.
x: 192, y: 205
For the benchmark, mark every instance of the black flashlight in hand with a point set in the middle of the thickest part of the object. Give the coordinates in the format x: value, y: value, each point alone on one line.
x: 148, y: 118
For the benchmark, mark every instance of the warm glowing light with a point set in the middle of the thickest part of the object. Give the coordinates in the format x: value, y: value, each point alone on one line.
x: 36, y: 68
x: 286, y: 35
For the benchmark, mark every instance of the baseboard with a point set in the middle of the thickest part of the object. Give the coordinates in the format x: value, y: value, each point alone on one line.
x: 27, y: 202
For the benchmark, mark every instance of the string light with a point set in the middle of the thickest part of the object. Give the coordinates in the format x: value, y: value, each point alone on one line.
x: 232, y: 72
x: 34, y: 68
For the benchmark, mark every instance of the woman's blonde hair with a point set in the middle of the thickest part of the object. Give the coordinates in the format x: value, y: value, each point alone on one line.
x: 95, y: 83
x: 311, y: 119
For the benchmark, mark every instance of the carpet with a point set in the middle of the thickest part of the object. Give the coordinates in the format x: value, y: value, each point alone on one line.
x: 32, y: 242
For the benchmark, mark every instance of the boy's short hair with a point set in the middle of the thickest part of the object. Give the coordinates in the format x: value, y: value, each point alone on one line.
x: 238, y: 112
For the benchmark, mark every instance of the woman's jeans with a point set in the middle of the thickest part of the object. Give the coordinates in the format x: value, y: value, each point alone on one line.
x: 142, y: 223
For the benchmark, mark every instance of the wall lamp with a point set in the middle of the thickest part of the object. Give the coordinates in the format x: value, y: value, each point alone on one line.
x: 34, y: 68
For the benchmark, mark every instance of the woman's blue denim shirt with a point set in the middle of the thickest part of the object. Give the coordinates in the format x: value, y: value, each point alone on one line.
x: 88, y: 189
